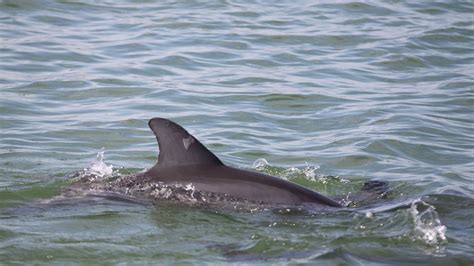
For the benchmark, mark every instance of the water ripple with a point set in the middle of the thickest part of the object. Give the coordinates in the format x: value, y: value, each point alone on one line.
x: 363, y: 89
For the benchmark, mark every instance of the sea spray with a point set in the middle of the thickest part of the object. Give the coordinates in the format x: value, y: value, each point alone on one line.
x: 427, y: 225
x: 98, y: 167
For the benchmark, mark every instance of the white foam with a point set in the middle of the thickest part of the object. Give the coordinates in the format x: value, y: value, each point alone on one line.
x: 190, y: 187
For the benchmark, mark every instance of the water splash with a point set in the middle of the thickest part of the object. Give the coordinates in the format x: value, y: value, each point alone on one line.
x: 427, y: 226
x: 308, y: 172
x: 98, y: 167
x: 260, y: 164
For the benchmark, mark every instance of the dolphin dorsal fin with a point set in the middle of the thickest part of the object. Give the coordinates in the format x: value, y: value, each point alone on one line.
x: 178, y: 147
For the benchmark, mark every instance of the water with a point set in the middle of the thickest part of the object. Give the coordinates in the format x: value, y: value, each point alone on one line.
x: 329, y: 94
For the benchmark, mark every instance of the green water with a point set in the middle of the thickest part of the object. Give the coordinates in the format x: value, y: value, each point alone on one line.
x: 330, y: 93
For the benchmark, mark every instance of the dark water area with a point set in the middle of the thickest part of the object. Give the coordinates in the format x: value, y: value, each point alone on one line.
x: 326, y: 94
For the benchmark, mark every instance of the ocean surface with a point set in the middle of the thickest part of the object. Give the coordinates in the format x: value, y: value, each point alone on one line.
x: 327, y: 94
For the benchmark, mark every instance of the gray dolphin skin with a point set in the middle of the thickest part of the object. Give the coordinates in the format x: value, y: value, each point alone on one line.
x: 184, y: 160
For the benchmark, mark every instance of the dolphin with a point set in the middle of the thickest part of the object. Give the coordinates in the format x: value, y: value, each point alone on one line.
x: 183, y: 159
x: 188, y: 173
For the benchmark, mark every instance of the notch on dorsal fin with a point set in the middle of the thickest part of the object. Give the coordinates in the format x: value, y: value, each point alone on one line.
x: 178, y: 147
